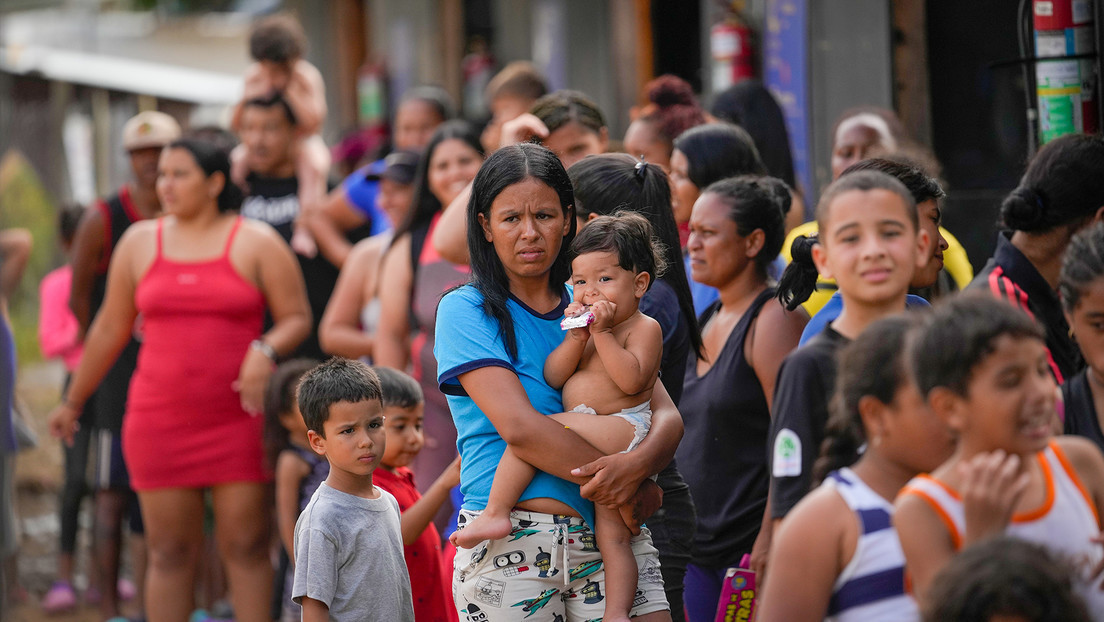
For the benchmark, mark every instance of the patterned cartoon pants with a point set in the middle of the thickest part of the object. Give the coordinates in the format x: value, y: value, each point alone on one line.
x: 547, y: 570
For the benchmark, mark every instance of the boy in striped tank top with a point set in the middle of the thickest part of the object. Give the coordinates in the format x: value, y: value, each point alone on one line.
x: 983, y: 368
x: 837, y: 548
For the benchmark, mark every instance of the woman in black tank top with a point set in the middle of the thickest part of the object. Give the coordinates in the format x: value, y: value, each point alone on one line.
x: 736, y: 231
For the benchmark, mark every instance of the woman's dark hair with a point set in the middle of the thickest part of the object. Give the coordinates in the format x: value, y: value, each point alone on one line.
x: 629, y: 236
x: 756, y: 202
x: 1082, y: 265
x: 921, y: 186
x: 610, y: 182
x: 673, y: 108
x: 399, y: 389
x: 211, y: 159
x: 751, y: 106
x: 278, y: 38
x: 425, y: 204
x: 68, y: 218
x: 279, y: 400
x: 715, y: 151
x: 959, y: 334
x: 506, y: 167
x: 435, y: 97
x: 873, y: 364
x: 559, y: 108
x: 1007, y: 577
x: 1062, y: 186
x: 799, y: 279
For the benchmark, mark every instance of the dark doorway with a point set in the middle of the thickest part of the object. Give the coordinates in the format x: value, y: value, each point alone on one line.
x: 676, y: 40
x: 979, y: 126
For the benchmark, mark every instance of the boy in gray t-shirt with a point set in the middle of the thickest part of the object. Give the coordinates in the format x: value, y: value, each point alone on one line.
x: 349, y: 561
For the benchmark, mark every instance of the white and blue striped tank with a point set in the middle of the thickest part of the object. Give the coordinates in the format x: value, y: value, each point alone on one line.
x: 872, y: 584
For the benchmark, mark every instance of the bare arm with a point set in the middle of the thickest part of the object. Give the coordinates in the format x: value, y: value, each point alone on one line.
x: 925, y: 541
x: 306, y: 95
x: 1088, y: 462
x: 15, y: 248
x: 108, y: 335
x: 315, y: 610
x: 418, y: 516
x: 392, y: 347
x: 88, y: 248
x: 256, y: 84
x: 339, y: 332
x: 807, y: 553
x: 777, y: 333
x: 634, y: 366
x: 450, y: 236
x: 281, y: 282
x: 564, y: 360
x: 329, y: 223
x: 290, y: 471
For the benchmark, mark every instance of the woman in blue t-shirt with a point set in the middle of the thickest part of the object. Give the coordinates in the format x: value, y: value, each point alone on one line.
x: 493, y: 336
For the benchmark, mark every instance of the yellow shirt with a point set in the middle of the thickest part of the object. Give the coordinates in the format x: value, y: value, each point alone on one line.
x: 955, y: 263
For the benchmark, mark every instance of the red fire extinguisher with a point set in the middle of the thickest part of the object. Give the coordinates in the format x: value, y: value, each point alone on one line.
x: 730, y: 42
x: 1065, y: 87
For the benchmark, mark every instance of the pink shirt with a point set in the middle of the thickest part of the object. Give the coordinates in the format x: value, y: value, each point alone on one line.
x: 57, y: 326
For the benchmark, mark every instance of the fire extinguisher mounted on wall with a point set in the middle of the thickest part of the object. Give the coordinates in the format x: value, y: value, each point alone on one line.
x: 1066, y: 79
x: 731, y: 44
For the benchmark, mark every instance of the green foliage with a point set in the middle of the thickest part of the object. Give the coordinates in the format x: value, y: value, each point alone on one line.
x: 24, y: 203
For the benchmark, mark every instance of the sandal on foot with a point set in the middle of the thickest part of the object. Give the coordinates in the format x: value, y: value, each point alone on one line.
x: 59, y: 598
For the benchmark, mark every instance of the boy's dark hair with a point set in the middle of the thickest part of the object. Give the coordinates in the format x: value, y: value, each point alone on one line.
x: 959, y: 335
x: 68, y: 218
x: 519, y: 79
x: 921, y: 186
x: 1082, y: 264
x: 865, y: 181
x: 277, y: 38
x: 336, y: 380
x: 873, y: 364
x: 399, y: 390
x: 273, y: 101
x: 278, y: 399
x: 756, y: 202
x: 1004, y: 576
x: 629, y: 236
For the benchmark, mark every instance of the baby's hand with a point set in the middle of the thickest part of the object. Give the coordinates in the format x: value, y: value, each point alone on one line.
x: 576, y: 309
x: 257, y: 84
x: 603, y: 316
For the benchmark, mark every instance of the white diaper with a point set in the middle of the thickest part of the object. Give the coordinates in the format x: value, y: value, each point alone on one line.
x: 639, y: 416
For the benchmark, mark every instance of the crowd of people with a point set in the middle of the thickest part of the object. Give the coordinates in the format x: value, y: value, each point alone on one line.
x: 574, y: 376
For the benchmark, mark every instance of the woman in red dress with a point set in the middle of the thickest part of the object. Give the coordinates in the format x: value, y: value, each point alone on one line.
x: 201, y: 278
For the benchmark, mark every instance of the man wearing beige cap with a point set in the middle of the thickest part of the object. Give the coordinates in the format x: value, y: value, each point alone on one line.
x: 99, y: 232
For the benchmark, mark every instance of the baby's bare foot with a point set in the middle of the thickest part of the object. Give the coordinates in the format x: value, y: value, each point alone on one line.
x: 484, y: 527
